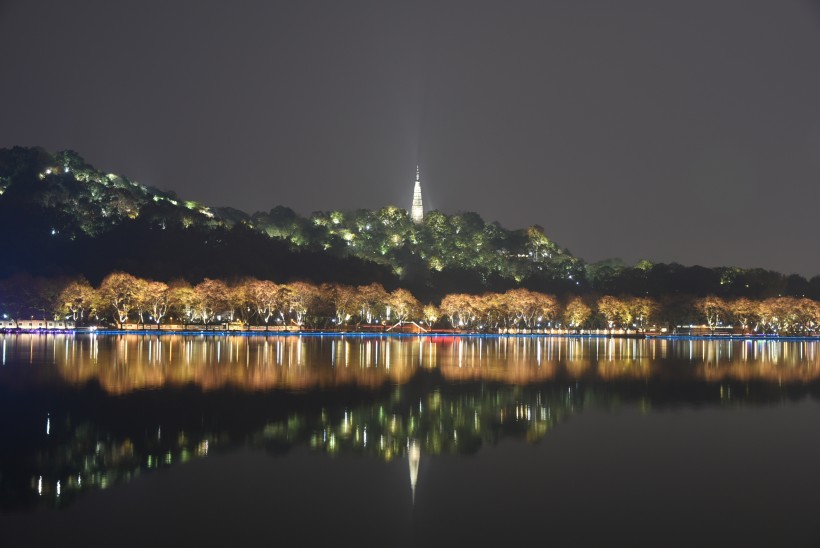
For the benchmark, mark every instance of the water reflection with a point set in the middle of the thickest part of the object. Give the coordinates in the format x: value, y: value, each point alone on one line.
x: 77, y: 412
x: 121, y: 364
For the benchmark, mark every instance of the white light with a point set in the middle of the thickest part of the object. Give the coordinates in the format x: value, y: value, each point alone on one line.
x: 40, y: 485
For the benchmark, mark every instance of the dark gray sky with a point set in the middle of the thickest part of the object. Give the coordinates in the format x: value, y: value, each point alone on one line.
x: 685, y: 131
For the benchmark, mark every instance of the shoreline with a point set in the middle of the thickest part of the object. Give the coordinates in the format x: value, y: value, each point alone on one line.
x: 430, y: 334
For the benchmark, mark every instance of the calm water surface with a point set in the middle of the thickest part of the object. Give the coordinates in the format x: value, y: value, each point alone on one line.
x: 146, y: 440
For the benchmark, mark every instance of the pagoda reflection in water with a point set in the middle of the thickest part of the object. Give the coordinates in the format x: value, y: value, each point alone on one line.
x: 119, y: 405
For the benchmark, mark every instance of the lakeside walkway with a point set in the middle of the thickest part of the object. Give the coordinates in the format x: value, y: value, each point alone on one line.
x: 557, y: 333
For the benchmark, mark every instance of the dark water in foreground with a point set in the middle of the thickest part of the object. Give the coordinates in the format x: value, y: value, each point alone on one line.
x: 142, y: 440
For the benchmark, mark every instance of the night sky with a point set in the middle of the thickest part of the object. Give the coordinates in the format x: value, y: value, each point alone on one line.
x: 681, y: 131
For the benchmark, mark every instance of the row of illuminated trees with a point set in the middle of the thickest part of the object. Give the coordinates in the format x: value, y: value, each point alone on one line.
x: 122, y: 298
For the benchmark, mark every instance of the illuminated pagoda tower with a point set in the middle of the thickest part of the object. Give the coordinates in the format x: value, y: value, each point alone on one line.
x: 417, y: 211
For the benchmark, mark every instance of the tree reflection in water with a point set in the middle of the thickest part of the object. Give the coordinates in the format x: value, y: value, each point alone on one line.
x: 85, y: 412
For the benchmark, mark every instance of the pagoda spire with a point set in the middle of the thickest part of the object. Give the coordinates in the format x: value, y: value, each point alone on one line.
x: 417, y: 210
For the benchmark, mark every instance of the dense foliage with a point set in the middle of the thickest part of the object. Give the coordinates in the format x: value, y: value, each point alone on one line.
x: 72, y: 219
x: 67, y: 218
x: 121, y: 298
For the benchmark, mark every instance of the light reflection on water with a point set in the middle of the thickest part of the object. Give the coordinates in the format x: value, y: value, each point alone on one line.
x: 169, y: 399
x: 132, y: 362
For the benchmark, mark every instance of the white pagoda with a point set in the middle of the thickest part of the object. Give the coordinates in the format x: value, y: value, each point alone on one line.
x: 417, y: 210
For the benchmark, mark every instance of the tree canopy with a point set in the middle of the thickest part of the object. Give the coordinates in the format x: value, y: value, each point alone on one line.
x: 71, y: 219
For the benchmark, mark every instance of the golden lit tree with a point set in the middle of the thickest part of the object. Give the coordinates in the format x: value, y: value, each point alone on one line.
x: 547, y: 308
x: 182, y: 301
x: 490, y: 310
x: 77, y: 299
x: 768, y: 315
x: 615, y: 311
x: 264, y: 297
x: 141, y: 298
x: 239, y: 303
x: 576, y: 313
x: 372, y: 302
x: 116, y: 296
x: 430, y: 314
x: 211, y: 299
x: 530, y: 308
x: 506, y: 309
x: 712, y: 309
x: 785, y: 314
x: 158, y: 298
x: 807, y: 315
x: 641, y: 309
x: 520, y: 305
x: 460, y: 309
x: 403, y: 306
x: 299, y: 299
x: 345, y: 301
x: 744, y: 312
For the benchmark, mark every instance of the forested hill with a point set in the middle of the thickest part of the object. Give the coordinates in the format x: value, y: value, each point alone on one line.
x: 70, y: 218
x: 61, y: 216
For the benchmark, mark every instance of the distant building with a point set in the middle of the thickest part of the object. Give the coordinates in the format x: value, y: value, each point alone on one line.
x: 417, y: 210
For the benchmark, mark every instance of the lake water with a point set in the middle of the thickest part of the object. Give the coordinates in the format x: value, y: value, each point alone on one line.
x: 140, y: 440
